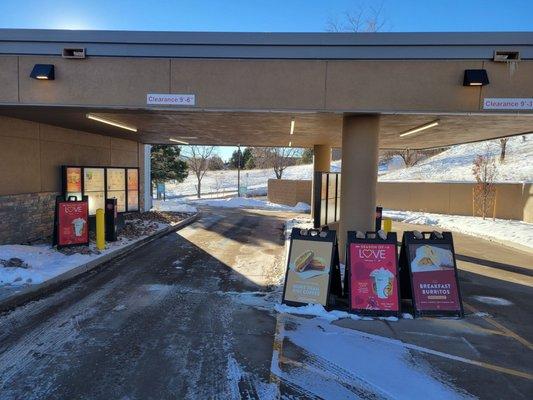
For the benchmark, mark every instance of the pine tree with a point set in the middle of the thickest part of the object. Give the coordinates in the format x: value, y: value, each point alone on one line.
x: 166, y: 164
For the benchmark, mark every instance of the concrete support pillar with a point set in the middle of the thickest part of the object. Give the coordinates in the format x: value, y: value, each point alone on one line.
x: 360, y: 144
x: 322, y: 163
x: 145, y: 171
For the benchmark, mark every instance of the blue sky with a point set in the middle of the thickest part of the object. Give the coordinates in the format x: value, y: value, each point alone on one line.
x: 264, y: 16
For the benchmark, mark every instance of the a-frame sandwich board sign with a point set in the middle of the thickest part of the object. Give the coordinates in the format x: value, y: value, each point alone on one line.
x: 429, y: 274
x: 310, y: 263
x: 372, y: 274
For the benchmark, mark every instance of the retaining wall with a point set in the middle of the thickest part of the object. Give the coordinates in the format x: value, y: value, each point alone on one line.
x: 513, y: 200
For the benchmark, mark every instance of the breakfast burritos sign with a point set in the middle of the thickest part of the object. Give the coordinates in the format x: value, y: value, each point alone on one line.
x: 309, y: 267
x: 429, y: 273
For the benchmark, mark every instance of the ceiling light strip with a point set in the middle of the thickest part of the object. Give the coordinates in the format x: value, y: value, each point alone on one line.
x: 178, y: 141
x: 420, y: 128
x: 113, y: 123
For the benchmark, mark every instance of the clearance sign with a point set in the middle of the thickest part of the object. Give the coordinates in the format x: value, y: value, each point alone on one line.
x: 163, y: 99
x: 508, y: 104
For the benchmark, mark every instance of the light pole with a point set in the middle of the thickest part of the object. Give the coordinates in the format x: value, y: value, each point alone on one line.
x: 239, y: 171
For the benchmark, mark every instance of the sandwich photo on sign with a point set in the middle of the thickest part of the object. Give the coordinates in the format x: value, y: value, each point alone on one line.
x: 308, y: 271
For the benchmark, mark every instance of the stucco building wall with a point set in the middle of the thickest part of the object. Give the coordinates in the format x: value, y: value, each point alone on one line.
x: 31, y: 155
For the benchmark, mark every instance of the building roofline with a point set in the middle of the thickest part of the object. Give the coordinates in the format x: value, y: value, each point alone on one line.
x: 430, y: 45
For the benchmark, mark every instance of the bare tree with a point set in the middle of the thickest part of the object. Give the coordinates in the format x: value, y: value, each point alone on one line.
x: 277, y: 158
x: 503, y: 145
x: 485, y: 171
x: 361, y: 19
x: 409, y: 157
x: 198, y: 163
x: 412, y: 157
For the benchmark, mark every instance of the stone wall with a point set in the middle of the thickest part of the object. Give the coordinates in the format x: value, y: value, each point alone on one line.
x: 289, y: 192
x: 26, y: 217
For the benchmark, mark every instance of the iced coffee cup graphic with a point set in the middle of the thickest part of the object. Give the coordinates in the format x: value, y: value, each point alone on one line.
x: 382, y: 282
x: 78, y: 225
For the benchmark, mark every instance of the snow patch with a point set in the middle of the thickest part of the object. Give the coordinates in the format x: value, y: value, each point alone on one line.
x: 247, y: 202
x: 498, y: 230
x: 174, y: 206
x: 493, y: 301
x: 374, y: 366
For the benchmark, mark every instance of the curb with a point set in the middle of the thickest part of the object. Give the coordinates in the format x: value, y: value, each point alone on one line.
x: 32, y: 292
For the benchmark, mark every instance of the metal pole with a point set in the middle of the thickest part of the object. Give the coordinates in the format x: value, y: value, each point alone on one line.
x: 239, y: 172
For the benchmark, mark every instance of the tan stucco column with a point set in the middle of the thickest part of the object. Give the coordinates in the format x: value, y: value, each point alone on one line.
x: 360, y: 143
x: 322, y: 163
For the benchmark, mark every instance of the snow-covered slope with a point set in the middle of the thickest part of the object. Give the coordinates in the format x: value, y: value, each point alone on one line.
x: 255, y: 180
x: 455, y: 164
x: 452, y: 165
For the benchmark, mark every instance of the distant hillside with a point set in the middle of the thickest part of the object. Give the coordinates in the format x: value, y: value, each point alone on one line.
x: 452, y: 165
x: 455, y: 164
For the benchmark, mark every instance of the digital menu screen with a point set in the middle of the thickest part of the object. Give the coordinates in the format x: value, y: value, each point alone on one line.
x: 116, y: 179
x: 94, y: 188
x: 96, y: 201
x: 120, y: 195
x: 133, y: 190
x: 73, y: 180
x: 94, y: 179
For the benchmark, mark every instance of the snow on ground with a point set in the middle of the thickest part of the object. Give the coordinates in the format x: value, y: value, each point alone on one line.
x: 326, y: 369
x: 455, y: 164
x: 45, y: 262
x: 230, y: 202
x: 220, y: 182
x: 498, y: 230
x: 374, y: 366
x: 174, y: 206
x: 452, y: 165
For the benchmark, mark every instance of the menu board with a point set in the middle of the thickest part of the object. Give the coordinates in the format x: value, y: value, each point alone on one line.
x: 133, y: 201
x: 99, y: 183
x: 116, y: 179
x: 94, y: 179
x: 72, y: 223
x: 310, y: 260
x: 73, y: 182
x: 120, y: 195
x: 96, y: 201
x: 133, y: 180
x: 433, y: 275
x: 133, y: 190
x: 373, y: 270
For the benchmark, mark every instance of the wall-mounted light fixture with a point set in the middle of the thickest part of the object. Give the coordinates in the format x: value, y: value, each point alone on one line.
x: 178, y: 141
x: 475, y: 77
x: 292, y: 126
x: 290, y: 144
x: 43, y: 72
x: 113, y: 123
x: 420, y: 128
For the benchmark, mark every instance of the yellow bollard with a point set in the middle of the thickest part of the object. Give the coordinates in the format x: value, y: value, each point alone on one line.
x: 387, y: 225
x: 100, y: 229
